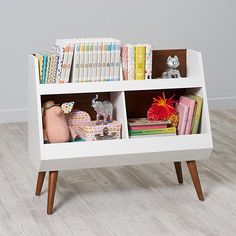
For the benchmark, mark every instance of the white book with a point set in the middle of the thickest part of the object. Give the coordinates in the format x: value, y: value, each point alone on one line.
x: 108, y: 60
x: 117, y: 62
x: 148, y: 64
x: 95, y: 59
x: 86, y: 61
x: 90, y: 62
x: 69, y: 63
x: 130, y: 61
x: 81, y: 61
x: 64, y: 64
x: 76, y: 64
x: 59, y: 51
x: 103, y: 62
x: 99, y: 62
x: 112, y: 65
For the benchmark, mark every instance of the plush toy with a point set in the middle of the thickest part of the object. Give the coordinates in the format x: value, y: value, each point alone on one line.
x: 56, y: 129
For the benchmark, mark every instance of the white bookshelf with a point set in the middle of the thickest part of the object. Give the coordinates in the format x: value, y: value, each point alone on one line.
x: 125, y: 151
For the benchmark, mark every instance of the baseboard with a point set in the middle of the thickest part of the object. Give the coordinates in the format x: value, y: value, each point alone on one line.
x: 20, y: 114
x: 221, y: 103
x: 13, y: 115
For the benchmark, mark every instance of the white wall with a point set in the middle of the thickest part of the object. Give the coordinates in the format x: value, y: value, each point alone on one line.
x: 29, y: 26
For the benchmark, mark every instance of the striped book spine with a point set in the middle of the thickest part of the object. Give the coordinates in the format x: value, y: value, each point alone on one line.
x: 81, y: 62
x: 117, y: 63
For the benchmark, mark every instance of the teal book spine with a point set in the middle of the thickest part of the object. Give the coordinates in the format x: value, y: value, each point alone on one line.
x: 44, y: 68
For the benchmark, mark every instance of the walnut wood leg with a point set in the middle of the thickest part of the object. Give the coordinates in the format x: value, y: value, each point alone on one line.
x: 178, y: 170
x: 195, y: 178
x: 52, y: 182
x: 41, y: 176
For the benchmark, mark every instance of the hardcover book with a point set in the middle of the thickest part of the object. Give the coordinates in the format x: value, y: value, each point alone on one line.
x: 190, y: 104
x: 140, y: 62
x: 124, y: 59
x: 183, y: 117
x: 197, y: 112
x: 145, y: 121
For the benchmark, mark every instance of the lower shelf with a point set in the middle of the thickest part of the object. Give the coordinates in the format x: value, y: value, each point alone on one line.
x: 80, y: 155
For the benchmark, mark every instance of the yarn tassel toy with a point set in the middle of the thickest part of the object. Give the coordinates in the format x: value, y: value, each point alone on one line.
x: 162, y: 108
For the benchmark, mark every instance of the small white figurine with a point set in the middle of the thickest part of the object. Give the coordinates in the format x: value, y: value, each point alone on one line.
x: 171, y: 72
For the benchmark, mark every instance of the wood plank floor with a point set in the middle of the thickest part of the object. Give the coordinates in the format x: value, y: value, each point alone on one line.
x: 134, y: 200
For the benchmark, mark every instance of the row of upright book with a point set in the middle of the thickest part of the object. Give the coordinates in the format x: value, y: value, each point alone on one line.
x: 136, y: 61
x: 80, y: 60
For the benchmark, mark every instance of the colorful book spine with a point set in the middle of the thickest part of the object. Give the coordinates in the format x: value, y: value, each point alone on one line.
x: 44, y: 67
x: 112, y: 64
x: 69, y: 63
x: 86, y: 61
x: 183, y: 117
x: 103, y: 65
x: 48, y: 68
x: 40, y: 64
x: 64, y: 64
x: 154, y: 131
x: 140, y: 62
x: 55, y: 68
x: 81, y: 62
x: 90, y: 62
x: 190, y: 103
x: 117, y: 62
x: 59, y: 51
x: 108, y: 62
x: 95, y: 59
x: 51, y: 74
x: 197, y: 113
x: 130, y: 62
x: 99, y: 61
x: 148, y: 63
x: 124, y: 58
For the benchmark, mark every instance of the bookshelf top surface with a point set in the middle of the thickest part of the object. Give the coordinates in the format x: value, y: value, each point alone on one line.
x: 117, y: 86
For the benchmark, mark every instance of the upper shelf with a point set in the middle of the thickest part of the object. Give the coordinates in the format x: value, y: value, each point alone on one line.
x: 89, y: 87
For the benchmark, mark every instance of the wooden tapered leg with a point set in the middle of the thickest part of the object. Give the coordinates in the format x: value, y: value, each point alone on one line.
x: 195, y: 178
x: 52, y: 182
x: 41, y: 176
x: 178, y: 170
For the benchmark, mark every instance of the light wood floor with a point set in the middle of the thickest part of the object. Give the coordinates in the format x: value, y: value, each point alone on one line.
x: 135, y: 200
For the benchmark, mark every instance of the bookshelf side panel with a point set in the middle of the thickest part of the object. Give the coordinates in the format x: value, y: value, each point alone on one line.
x: 118, y: 101
x: 35, y: 136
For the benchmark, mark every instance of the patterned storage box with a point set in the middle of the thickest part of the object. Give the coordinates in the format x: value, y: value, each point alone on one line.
x: 89, y: 131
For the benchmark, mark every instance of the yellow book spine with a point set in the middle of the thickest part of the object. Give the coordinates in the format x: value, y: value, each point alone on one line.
x: 40, y: 61
x: 140, y: 52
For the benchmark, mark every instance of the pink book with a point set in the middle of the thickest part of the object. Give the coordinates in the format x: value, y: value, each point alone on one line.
x: 190, y: 104
x: 124, y: 59
x: 183, y: 117
x: 147, y: 127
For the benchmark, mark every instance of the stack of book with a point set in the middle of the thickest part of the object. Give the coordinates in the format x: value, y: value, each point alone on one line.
x: 80, y: 60
x: 136, y: 61
x: 189, y: 109
x: 142, y: 127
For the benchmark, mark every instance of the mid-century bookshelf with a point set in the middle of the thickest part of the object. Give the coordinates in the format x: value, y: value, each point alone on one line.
x: 130, y: 99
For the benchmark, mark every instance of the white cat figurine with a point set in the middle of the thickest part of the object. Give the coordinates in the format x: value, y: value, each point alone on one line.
x: 171, y: 72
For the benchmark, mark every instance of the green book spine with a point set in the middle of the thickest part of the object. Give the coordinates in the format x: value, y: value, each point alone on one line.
x: 197, y: 113
x: 154, y: 131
